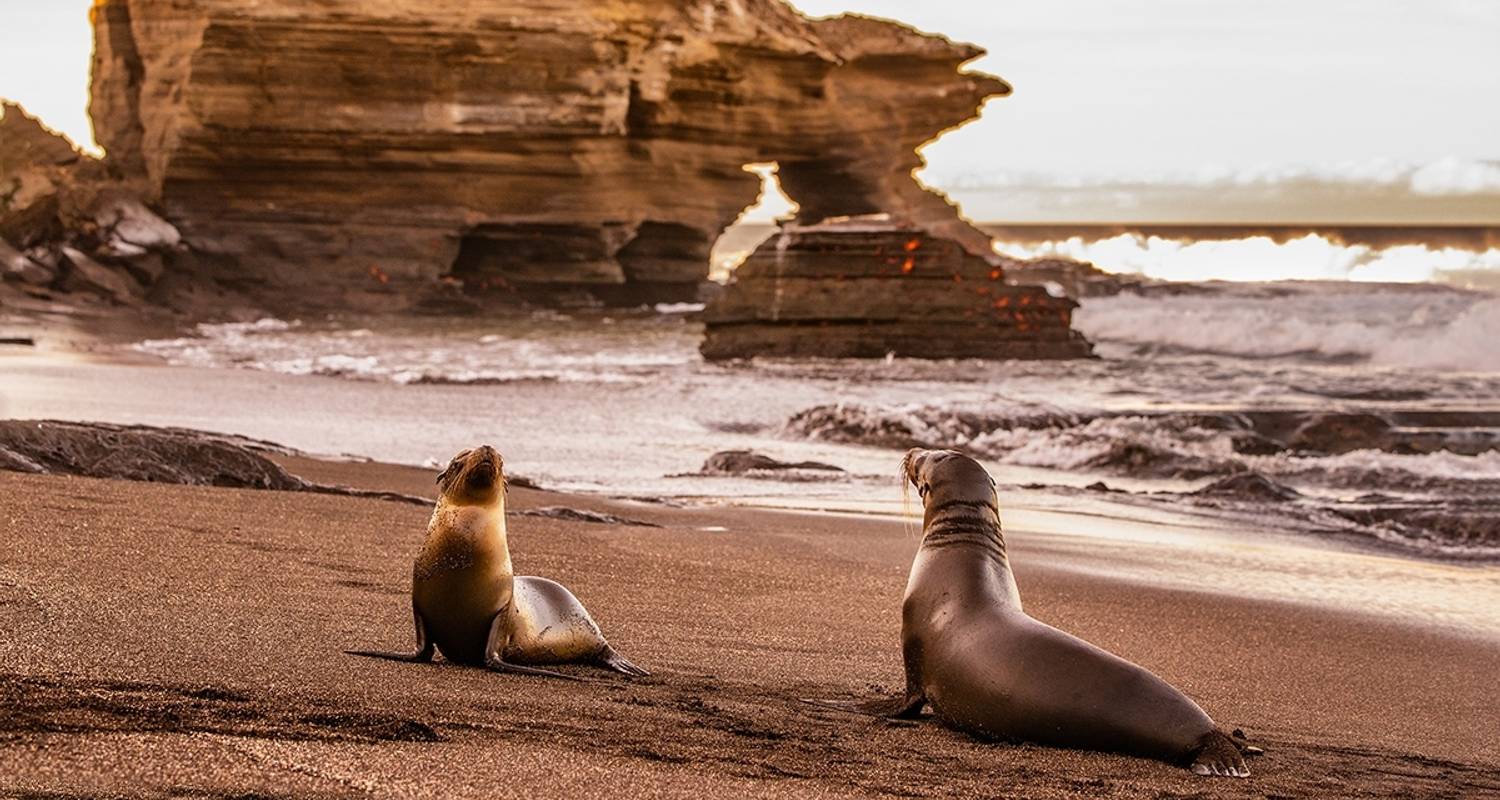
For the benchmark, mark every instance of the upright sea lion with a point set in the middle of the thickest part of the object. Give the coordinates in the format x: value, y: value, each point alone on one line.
x: 467, y: 603
x: 987, y: 668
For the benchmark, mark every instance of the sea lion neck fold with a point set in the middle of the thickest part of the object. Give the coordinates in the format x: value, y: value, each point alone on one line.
x: 958, y: 498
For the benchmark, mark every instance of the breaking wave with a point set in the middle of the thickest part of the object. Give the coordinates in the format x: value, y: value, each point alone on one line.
x: 1423, y: 327
x: 1430, y: 488
x: 435, y: 355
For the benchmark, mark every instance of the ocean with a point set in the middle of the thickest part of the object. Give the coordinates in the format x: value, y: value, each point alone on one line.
x: 1364, y: 411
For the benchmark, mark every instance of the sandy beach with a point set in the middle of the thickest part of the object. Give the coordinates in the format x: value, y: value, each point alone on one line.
x: 171, y: 640
x: 1219, y: 329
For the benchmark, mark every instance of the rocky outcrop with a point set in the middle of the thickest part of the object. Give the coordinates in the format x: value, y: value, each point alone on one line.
x: 139, y: 453
x: 868, y: 288
x: 36, y: 171
x: 66, y: 226
x: 157, y: 455
x: 378, y: 153
x: 749, y: 462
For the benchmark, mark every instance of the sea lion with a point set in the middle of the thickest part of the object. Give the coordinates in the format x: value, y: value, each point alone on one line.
x: 467, y: 603
x: 987, y: 668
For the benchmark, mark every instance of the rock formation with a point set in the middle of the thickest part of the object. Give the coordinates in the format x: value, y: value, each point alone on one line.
x: 158, y: 455
x: 65, y: 227
x: 377, y: 153
x: 868, y: 287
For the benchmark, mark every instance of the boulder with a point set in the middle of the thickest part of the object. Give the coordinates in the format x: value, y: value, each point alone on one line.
x: 128, y: 229
x: 742, y: 462
x: 1249, y: 486
x: 86, y: 274
x: 17, y: 266
x: 1341, y: 433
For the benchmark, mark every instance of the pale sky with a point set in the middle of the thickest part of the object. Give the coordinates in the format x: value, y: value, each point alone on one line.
x: 1103, y: 87
x: 1117, y: 86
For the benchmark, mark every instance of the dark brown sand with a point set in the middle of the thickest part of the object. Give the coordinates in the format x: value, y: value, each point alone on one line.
x: 171, y: 640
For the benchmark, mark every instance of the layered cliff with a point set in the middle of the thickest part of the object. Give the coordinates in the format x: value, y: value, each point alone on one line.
x: 381, y: 152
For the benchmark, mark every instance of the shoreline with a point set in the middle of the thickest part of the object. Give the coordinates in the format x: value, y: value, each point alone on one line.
x: 337, y: 418
x: 164, y: 625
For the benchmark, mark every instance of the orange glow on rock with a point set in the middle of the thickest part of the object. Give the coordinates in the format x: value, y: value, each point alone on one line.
x: 912, y: 245
x: 379, y: 274
x: 995, y: 274
x: 908, y: 266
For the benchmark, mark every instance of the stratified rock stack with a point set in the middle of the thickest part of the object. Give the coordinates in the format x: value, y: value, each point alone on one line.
x: 361, y: 153
x: 865, y: 288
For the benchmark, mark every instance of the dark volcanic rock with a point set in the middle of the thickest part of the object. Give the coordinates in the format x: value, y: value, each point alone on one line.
x: 86, y: 274
x: 356, y: 153
x: 157, y: 455
x: 1248, y: 443
x: 1251, y: 486
x: 15, y: 265
x: 160, y: 455
x: 1341, y: 433
x: 867, y: 288
x: 1144, y: 461
x: 583, y: 515
x: 741, y: 462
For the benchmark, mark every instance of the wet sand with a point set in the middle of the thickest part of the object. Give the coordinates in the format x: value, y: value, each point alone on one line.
x: 179, y: 640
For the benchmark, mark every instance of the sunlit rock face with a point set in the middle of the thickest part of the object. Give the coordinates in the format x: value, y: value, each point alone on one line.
x: 36, y: 165
x: 379, y: 153
x: 868, y: 288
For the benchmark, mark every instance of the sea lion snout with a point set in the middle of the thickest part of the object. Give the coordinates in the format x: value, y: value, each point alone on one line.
x: 473, y: 475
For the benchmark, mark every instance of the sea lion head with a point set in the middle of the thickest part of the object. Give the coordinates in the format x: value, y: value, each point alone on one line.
x: 474, y: 477
x: 945, y: 476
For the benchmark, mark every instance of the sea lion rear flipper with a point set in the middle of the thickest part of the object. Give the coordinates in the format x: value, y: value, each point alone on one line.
x: 610, y: 658
x: 425, y: 647
x: 1217, y: 754
x: 495, y: 645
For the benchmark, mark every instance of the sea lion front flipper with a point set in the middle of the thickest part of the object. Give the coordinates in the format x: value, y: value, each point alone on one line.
x: 906, y: 706
x: 495, y: 645
x: 610, y: 658
x: 425, y: 647
x: 1218, y: 754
